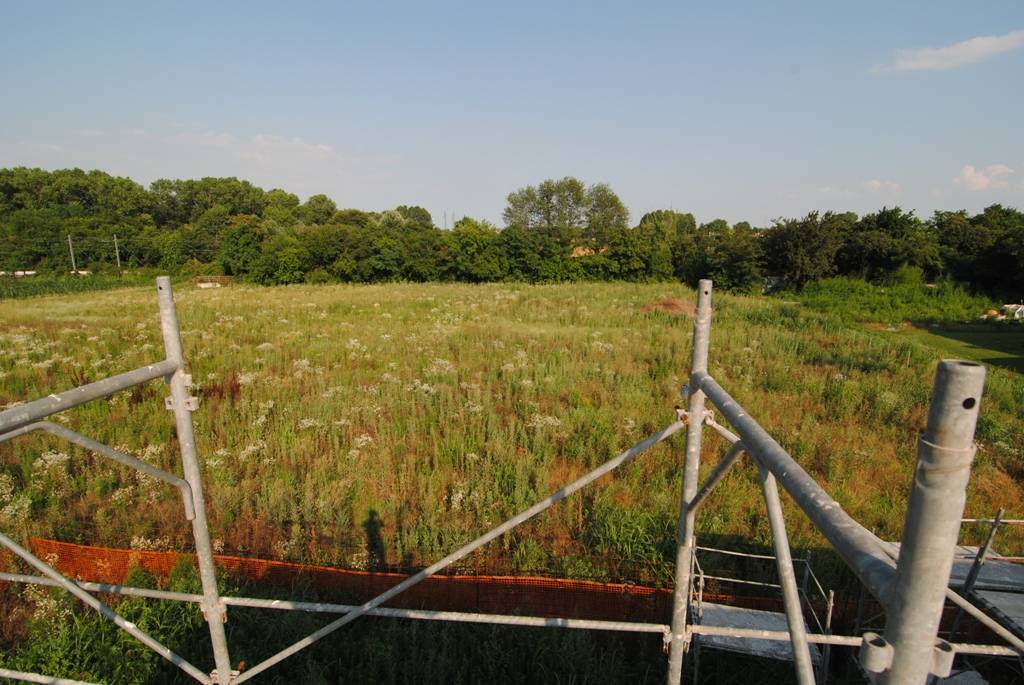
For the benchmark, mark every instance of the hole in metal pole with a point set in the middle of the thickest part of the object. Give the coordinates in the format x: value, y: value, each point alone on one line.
x: 963, y: 363
x: 969, y: 403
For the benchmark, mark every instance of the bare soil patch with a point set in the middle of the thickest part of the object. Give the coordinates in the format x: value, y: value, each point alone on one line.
x: 671, y: 305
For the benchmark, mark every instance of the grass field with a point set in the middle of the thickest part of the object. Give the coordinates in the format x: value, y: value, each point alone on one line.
x: 999, y: 345
x: 371, y: 425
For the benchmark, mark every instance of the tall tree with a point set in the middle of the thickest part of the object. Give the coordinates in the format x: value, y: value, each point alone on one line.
x: 567, y: 203
x: 804, y: 250
x: 606, y: 216
x: 883, y: 241
x: 318, y: 209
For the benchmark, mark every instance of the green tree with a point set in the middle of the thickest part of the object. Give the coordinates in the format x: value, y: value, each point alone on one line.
x: 318, y: 209
x: 881, y: 242
x: 415, y: 216
x: 606, y: 216
x: 281, y: 207
x: 475, y: 252
x: 804, y: 250
x: 241, y: 245
x: 565, y: 203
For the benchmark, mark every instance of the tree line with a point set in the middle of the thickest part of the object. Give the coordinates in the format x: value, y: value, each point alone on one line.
x: 558, y: 230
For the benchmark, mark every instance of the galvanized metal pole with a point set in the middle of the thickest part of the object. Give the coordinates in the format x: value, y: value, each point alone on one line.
x: 691, y: 472
x: 856, y: 545
x: 117, y: 253
x: 24, y: 414
x: 183, y: 406
x: 787, y: 579
x: 721, y: 469
x: 972, y: 575
x: 71, y: 249
x: 930, y: 533
x: 826, y: 650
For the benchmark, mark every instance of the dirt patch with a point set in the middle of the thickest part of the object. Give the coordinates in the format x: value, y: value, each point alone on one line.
x: 671, y: 305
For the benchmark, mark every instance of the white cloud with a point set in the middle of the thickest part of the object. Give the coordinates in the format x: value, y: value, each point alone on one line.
x: 877, y: 186
x: 270, y: 160
x: 873, y: 187
x: 208, y: 139
x: 953, y: 56
x: 264, y: 149
x: 991, y: 177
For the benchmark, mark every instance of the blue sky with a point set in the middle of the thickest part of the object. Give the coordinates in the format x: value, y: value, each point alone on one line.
x: 742, y: 110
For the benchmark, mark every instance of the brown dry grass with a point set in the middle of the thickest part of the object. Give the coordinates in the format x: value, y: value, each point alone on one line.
x: 671, y: 305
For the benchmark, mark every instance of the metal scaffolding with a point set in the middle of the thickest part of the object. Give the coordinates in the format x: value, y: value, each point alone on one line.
x: 911, y: 584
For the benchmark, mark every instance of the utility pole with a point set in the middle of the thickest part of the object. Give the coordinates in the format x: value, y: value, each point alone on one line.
x: 117, y: 253
x: 71, y: 249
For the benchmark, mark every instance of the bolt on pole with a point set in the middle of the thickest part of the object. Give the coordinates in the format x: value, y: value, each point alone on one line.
x: 183, y: 405
x: 691, y: 472
x: 944, y: 455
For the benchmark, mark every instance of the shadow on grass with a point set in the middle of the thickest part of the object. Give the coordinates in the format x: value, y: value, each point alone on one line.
x: 997, y: 345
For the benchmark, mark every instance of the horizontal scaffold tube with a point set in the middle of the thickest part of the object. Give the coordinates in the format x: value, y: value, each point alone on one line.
x: 466, y: 617
x: 840, y: 640
x: 37, y: 678
x: 24, y: 414
x: 854, y: 543
x: 329, y: 608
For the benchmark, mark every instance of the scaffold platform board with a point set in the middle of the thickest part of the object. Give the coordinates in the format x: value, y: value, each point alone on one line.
x: 736, y: 617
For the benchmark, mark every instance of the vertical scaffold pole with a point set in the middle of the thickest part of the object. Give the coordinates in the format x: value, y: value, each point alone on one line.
x: 684, y: 532
x: 787, y: 579
x: 930, y: 533
x: 183, y: 406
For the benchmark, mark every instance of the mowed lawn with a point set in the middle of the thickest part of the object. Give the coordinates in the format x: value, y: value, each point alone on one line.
x: 387, y: 424
x: 1001, y: 346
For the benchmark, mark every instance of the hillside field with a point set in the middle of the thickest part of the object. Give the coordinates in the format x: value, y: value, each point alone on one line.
x: 384, y: 425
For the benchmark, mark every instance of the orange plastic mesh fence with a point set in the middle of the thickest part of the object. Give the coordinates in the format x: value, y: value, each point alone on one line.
x: 525, y: 595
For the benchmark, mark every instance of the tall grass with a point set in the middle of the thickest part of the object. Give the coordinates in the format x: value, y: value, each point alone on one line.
x: 33, y: 286
x: 905, y: 298
x: 364, y: 426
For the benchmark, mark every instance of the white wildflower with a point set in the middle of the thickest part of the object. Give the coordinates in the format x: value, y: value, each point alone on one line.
x: 123, y: 495
x: 142, y: 543
x: 541, y: 421
x: 441, y: 366
x: 252, y: 449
